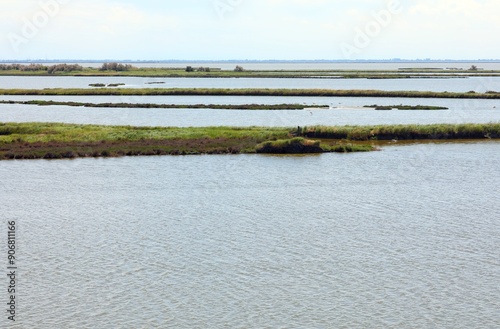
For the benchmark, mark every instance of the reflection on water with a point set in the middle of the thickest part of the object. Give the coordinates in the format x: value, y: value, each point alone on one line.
x: 407, y: 237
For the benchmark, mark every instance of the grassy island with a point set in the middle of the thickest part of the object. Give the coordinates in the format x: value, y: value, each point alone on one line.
x: 54, y: 140
x: 172, y: 106
x: 407, y: 107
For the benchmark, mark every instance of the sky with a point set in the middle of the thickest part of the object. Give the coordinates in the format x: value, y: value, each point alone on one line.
x: 249, y: 29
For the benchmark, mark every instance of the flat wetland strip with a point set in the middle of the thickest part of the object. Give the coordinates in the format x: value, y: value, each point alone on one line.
x: 55, y: 140
x: 219, y: 106
x: 171, y: 106
x: 218, y: 73
x: 245, y: 92
x: 405, y: 132
x: 407, y: 107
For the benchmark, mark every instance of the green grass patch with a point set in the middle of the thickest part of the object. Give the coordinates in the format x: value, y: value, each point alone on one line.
x: 55, y: 140
x: 405, y: 132
x: 165, y: 72
x: 171, y: 106
x: 407, y: 107
x: 243, y: 92
x: 297, y: 145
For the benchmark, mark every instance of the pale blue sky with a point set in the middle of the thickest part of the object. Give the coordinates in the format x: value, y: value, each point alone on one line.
x: 249, y: 29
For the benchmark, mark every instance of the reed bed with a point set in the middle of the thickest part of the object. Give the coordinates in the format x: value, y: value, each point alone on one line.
x: 405, y: 132
x: 218, y: 73
x: 55, y: 140
x: 171, y: 106
x: 245, y: 92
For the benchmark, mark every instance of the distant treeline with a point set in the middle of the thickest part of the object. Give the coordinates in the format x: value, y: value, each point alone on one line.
x: 62, y: 67
x: 116, y: 67
x: 40, y: 67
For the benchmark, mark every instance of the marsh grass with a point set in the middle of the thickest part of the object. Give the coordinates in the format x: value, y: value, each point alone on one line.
x: 243, y: 92
x: 297, y: 145
x: 55, y: 140
x: 405, y: 132
x: 407, y: 107
x: 171, y: 106
x: 348, y: 148
x: 218, y: 73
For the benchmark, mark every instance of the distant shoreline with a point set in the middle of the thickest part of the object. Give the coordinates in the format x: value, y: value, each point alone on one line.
x: 251, y: 61
x: 316, y: 70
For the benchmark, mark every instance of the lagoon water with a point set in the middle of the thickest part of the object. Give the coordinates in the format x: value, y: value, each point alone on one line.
x: 477, y: 84
x: 346, y: 112
x: 343, y: 110
x: 407, y: 237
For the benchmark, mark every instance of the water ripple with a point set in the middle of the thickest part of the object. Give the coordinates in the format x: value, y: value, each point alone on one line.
x: 267, y: 242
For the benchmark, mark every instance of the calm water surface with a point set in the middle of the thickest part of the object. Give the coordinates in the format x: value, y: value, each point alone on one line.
x: 408, y: 237
x: 460, y: 112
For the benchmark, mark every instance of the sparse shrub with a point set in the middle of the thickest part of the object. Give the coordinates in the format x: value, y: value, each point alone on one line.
x: 238, y: 69
x: 203, y: 69
x: 115, y: 67
x: 64, y: 68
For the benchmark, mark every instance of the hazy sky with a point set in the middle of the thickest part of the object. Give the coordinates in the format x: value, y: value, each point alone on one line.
x: 249, y: 29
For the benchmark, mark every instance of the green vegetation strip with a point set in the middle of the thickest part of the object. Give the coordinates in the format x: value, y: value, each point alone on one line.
x: 407, y: 107
x: 405, y: 132
x: 116, y: 69
x: 55, y: 140
x: 171, y: 106
x: 244, y: 92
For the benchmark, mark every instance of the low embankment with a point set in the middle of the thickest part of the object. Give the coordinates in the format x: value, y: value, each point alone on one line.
x: 245, y: 92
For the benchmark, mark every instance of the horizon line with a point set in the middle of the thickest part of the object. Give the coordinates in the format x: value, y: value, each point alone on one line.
x: 247, y: 60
